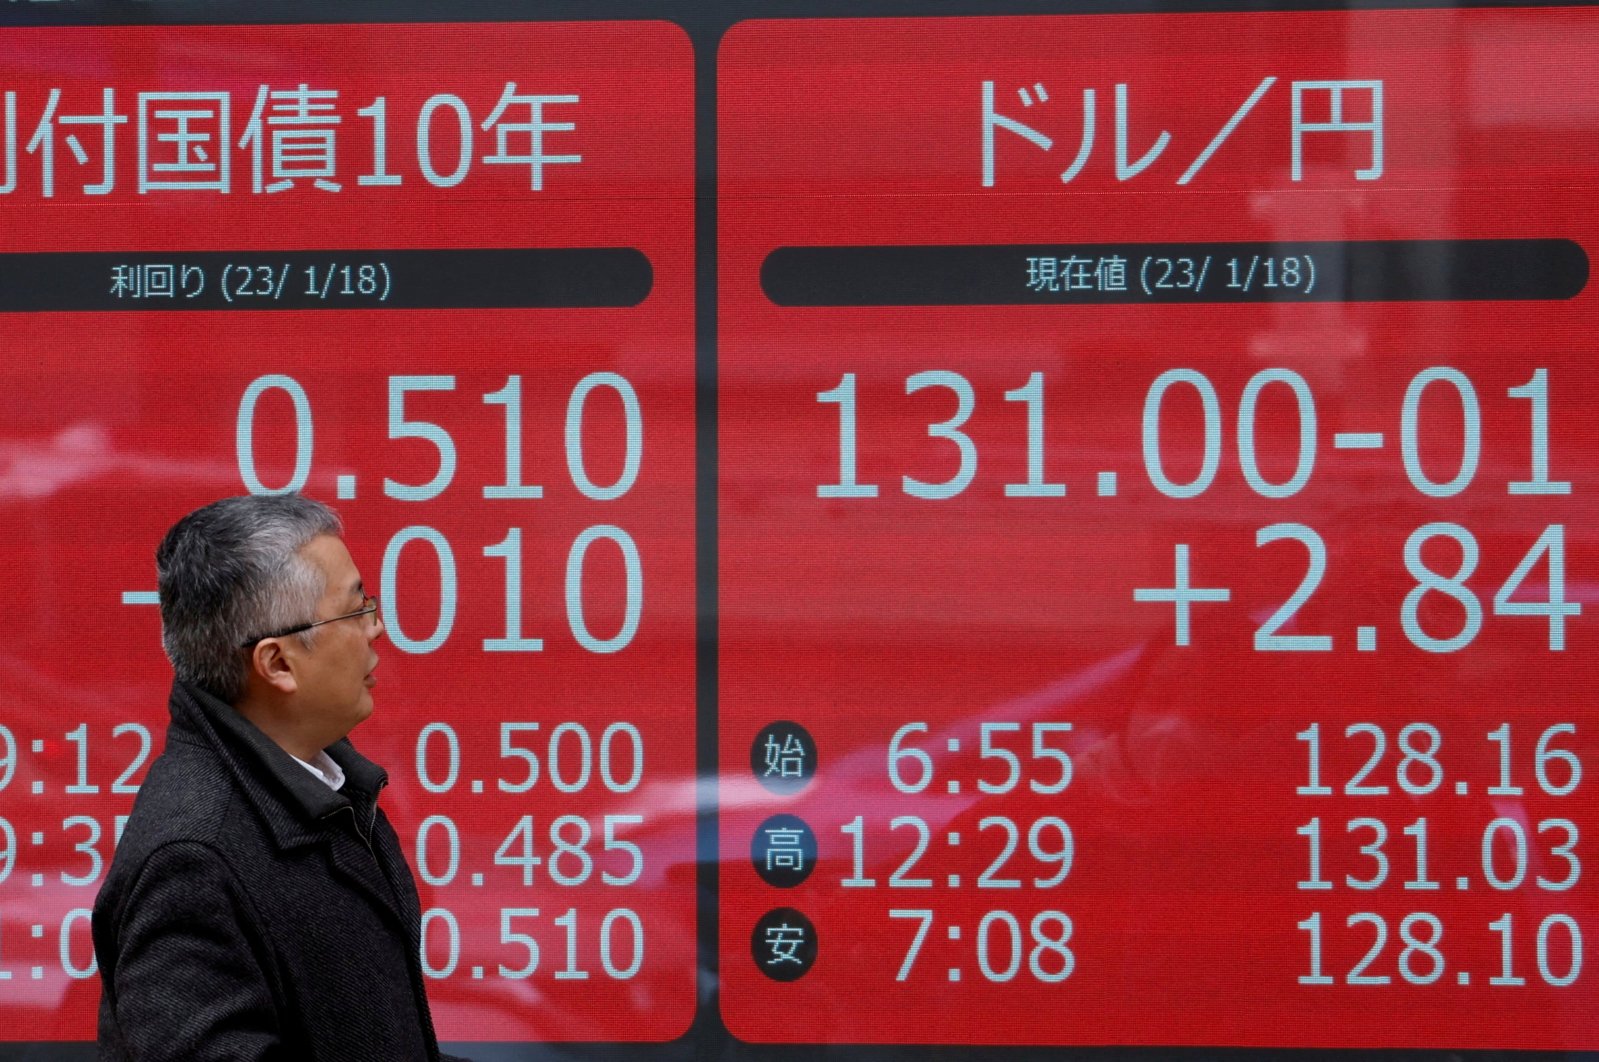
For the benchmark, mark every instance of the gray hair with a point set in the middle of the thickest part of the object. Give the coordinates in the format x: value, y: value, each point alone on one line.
x: 232, y: 571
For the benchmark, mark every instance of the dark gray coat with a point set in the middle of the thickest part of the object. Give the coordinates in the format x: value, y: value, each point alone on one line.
x: 253, y: 913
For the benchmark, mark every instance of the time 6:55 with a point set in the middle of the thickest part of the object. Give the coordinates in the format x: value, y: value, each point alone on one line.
x: 1049, y: 769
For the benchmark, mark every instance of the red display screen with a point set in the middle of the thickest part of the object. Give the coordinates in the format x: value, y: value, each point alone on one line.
x: 1156, y: 476
x: 441, y: 277
x: 979, y: 528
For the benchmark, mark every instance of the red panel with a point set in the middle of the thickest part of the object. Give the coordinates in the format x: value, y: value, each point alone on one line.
x: 118, y: 422
x: 939, y: 904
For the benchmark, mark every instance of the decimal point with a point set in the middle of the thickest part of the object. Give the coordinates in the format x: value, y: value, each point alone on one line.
x: 477, y: 785
x: 38, y: 932
x: 1107, y: 484
x: 954, y: 881
x: 1461, y: 789
x: 37, y: 788
x: 1366, y: 639
x: 38, y: 746
x: 346, y: 488
x: 954, y: 744
x: 954, y: 839
x: 954, y: 932
x: 477, y: 973
x: 954, y: 786
x: 954, y: 974
x: 1463, y: 978
x: 477, y: 879
x: 38, y: 838
x: 37, y: 973
x: 38, y: 880
x: 1462, y: 883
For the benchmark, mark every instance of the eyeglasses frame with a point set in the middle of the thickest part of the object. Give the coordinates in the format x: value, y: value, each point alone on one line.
x: 369, y: 605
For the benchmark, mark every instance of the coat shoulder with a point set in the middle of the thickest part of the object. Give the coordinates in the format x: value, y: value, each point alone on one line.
x: 186, y: 796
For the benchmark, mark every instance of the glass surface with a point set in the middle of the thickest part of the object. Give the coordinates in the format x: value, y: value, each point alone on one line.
x: 509, y: 441
x: 1172, y: 542
x: 1026, y: 530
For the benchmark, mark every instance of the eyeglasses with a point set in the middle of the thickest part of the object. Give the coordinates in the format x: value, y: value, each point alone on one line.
x: 369, y: 605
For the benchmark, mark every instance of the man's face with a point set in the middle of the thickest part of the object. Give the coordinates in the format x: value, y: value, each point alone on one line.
x: 336, y: 674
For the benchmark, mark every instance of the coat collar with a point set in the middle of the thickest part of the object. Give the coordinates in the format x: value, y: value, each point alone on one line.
x: 297, y: 808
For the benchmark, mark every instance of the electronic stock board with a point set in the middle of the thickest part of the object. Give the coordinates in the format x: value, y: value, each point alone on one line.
x: 1035, y: 530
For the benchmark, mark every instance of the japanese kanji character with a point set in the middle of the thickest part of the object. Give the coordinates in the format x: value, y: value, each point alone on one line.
x: 43, y: 141
x: 1336, y: 122
x: 1111, y: 273
x: 783, y: 942
x: 190, y: 147
x: 786, y: 760
x: 1043, y: 274
x: 784, y: 849
x: 126, y: 282
x: 160, y: 280
x: 301, y: 122
x: 1077, y: 274
x: 534, y: 128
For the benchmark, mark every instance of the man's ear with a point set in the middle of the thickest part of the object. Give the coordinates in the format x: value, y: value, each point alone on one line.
x: 273, y: 665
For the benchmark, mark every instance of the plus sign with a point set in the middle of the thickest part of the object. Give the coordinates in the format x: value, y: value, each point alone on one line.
x: 1181, y: 595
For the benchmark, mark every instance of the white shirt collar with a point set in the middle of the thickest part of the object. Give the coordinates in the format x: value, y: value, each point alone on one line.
x: 327, y: 772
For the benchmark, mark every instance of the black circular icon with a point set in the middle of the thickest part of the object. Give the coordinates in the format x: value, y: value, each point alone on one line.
x: 784, y: 944
x: 783, y: 851
x: 783, y: 757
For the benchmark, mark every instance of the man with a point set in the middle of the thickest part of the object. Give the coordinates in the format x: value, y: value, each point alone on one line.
x: 259, y: 905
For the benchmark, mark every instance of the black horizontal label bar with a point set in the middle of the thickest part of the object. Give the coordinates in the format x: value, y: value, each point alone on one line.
x: 543, y: 278
x: 1071, y: 274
